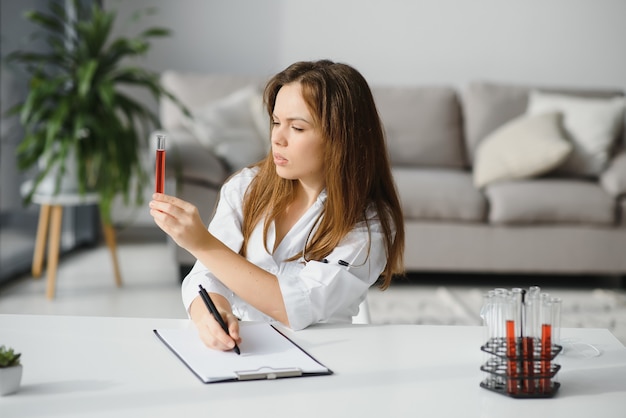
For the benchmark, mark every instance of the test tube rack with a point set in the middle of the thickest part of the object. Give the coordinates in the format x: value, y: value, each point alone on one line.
x: 522, y: 333
x: 529, y: 375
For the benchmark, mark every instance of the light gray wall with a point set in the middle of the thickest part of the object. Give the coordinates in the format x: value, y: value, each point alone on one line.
x: 580, y: 43
x: 14, y: 33
x: 566, y: 42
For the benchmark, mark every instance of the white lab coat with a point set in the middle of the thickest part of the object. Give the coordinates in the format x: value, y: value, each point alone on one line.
x: 313, y: 292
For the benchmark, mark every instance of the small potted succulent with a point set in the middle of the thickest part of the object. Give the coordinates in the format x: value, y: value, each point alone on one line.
x: 10, y: 371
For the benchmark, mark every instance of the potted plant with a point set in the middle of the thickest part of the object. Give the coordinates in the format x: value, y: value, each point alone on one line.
x: 10, y: 371
x: 76, y: 116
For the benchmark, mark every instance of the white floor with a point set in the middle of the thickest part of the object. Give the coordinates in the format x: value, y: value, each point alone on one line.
x: 151, y: 288
x: 86, y: 285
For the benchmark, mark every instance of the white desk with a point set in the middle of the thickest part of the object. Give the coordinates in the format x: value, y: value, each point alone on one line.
x: 116, y: 367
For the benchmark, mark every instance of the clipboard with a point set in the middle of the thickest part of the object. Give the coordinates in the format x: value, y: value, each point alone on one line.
x: 266, y: 354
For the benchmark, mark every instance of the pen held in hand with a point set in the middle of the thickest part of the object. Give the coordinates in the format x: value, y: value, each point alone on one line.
x: 213, y: 310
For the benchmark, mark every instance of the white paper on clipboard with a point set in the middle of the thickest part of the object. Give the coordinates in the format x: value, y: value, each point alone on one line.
x: 265, y: 354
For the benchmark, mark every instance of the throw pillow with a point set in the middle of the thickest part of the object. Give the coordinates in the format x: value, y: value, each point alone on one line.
x: 591, y: 124
x: 260, y: 118
x: 228, y: 128
x: 524, y: 147
x: 613, y: 180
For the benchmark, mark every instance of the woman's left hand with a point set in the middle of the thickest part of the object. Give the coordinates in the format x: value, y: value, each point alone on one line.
x: 180, y: 220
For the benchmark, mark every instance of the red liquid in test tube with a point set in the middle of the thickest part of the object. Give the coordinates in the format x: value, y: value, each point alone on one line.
x: 160, y: 164
x: 528, y: 363
x: 511, y: 354
x: 546, y: 354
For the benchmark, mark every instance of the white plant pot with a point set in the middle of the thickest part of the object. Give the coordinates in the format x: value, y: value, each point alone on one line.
x: 10, y: 378
x: 69, y: 180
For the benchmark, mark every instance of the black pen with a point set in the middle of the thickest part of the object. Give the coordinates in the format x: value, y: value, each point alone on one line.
x: 211, y: 306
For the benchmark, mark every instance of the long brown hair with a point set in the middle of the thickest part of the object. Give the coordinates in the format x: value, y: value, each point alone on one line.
x: 358, y: 173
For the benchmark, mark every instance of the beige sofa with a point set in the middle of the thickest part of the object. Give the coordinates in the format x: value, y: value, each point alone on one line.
x: 469, y: 164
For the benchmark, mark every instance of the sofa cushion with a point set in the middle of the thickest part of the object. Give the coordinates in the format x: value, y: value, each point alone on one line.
x: 422, y: 124
x: 555, y: 201
x: 591, y: 124
x: 439, y: 195
x: 228, y: 127
x: 487, y: 106
x: 621, y: 212
x: 524, y: 147
x: 189, y: 161
x: 197, y: 89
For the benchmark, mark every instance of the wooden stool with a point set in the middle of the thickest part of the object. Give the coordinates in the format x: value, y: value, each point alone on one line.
x: 50, y: 218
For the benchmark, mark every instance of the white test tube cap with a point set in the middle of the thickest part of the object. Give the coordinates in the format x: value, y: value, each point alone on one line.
x: 160, y: 141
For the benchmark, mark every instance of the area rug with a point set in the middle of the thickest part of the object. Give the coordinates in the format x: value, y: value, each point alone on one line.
x: 460, y: 305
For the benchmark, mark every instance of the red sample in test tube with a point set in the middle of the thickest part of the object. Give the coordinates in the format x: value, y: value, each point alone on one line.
x: 546, y: 355
x: 160, y: 164
x: 528, y: 364
x: 511, y: 354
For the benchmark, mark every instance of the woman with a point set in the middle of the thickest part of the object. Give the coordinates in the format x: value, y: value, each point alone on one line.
x: 299, y: 237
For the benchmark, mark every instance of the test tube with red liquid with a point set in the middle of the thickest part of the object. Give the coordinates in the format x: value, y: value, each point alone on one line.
x: 160, y: 164
x: 550, y: 325
x: 532, y: 336
x: 511, y: 353
x: 513, y: 324
x: 546, y: 341
x: 528, y: 335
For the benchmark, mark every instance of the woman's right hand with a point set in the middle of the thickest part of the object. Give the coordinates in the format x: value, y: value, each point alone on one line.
x: 210, y: 331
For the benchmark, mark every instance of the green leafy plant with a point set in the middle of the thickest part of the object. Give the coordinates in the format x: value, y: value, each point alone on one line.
x: 76, y: 105
x: 8, y: 357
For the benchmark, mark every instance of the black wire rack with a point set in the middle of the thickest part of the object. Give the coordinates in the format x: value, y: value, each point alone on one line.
x: 529, y: 373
